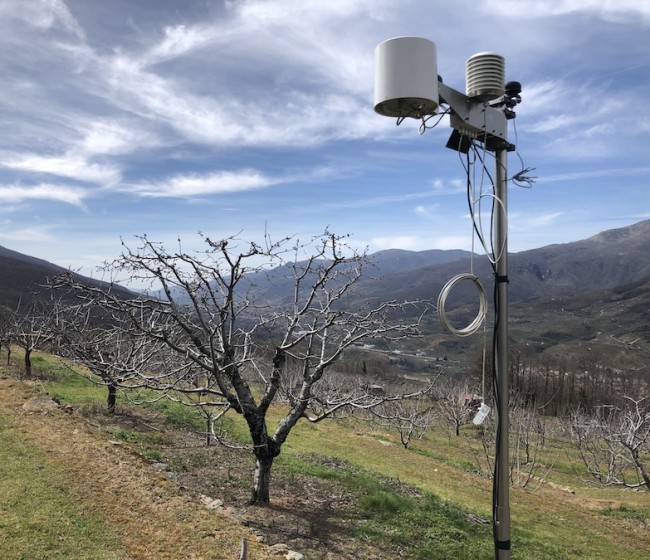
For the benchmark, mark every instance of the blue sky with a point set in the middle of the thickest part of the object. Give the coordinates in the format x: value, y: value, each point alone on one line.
x: 170, y: 117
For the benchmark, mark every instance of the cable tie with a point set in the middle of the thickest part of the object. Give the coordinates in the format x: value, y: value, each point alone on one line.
x: 502, y: 279
x: 503, y: 545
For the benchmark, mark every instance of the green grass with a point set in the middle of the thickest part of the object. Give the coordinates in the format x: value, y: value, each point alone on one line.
x: 146, y: 444
x: 435, y: 523
x: 395, y: 515
x: 544, y: 525
x: 72, y: 388
x: 179, y: 416
x: 461, y: 464
x: 135, y: 436
x: 641, y: 514
x: 190, y: 460
x: 426, y: 526
x: 39, y: 516
x: 383, y: 505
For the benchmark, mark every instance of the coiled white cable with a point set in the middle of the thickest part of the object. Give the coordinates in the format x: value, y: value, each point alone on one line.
x: 482, y: 309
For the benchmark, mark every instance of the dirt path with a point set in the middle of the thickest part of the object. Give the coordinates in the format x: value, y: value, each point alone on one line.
x: 153, y: 520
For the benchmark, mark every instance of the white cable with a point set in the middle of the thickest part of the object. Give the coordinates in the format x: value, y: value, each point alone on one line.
x: 490, y: 252
x: 482, y: 310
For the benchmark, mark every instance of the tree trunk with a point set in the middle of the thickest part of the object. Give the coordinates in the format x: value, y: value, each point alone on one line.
x: 266, y: 449
x: 262, y: 481
x: 28, y: 363
x: 640, y: 467
x: 112, y: 398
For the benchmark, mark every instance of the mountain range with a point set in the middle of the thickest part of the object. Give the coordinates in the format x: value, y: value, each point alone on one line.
x: 23, y: 277
x: 566, y: 300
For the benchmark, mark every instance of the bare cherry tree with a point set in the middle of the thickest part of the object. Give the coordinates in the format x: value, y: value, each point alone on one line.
x: 109, y: 354
x: 410, y: 418
x: 29, y: 327
x: 6, y: 330
x: 406, y: 409
x: 614, y: 442
x: 531, y: 457
x: 234, y: 339
x: 456, y: 403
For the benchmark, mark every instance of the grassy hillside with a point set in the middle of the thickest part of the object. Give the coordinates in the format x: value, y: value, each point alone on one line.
x: 340, y: 490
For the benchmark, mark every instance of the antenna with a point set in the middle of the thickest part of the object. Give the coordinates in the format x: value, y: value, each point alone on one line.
x: 406, y: 78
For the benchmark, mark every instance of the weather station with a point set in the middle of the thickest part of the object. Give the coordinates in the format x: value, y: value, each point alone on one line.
x: 407, y: 85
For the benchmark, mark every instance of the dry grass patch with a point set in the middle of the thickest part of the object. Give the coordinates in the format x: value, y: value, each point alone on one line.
x: 138, y: 506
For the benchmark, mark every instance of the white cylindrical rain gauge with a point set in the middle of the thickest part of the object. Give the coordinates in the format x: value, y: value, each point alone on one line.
x: 406, y: 77
x: 485, y: 76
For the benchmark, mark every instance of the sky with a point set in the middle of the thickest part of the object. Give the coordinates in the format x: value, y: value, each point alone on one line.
x: 242, y: 118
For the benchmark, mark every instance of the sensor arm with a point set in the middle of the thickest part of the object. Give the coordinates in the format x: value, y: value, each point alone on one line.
x: 472, y: 119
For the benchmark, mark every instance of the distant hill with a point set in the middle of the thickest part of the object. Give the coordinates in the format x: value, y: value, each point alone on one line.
x: 563, y: 298
x: 395, y: 261
x: 381, y: 271
x: 23, y: 277
x: 609, y: 259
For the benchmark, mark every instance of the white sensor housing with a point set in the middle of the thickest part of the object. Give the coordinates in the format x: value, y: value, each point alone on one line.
x: 485, y: 76
x: 406, y: 77
x: 481, y: 414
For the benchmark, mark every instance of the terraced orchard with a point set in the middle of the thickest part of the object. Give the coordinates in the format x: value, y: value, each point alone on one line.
x: 79, y: 483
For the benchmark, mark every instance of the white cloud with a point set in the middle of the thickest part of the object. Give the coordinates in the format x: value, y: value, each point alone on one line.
x: 30, y: 235
x: 607, y: 9
x: 180, y: 40
x: 44, y: 191
x: 327, y: 55
x: 190, y: 185
x: 254, y: 116
x: 110, y: 137
x: 421, y: 243
x: 256, y: 77
x: 407, y: 242
x: 449, y: 187
x: 70, y: 166
x: 220, y: 182
x: 579, y: 121
x: 593, y: 174
x: 387, y: 200
x: 281, y: 93
x: 526, y: 222
x: 428, y: 212
x: 448, y: 242
x: 43, y: 14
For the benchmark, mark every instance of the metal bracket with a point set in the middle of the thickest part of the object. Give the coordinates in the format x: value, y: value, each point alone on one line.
x: 473, y: 119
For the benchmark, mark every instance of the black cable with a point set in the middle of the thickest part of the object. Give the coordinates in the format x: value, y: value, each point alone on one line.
x: 470, y: 202
x: 467, y: 165
x: 521, y: 179
x: 497, y: 406
x: 478, y: 232
x: 494, y: 201
x: 423, y: 125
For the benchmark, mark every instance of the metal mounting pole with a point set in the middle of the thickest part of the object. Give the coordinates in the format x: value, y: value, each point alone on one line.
x: 407, y: 85
x: 502, y: 471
